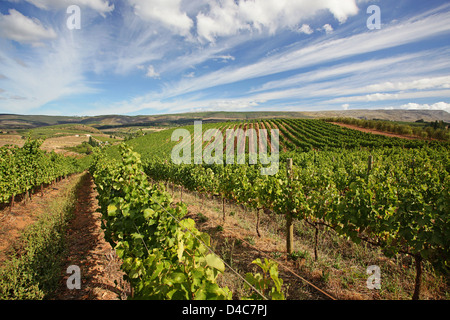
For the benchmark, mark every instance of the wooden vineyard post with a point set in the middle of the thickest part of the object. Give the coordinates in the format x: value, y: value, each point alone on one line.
x: 257, y: 222
x: 289, y: 220
x: 418, y: 281
x: 25, y: 197
x: 316, y: 241
x: 223, y: 208
x: 418, y: 259
x: 369, y: 167
x: 12, y: 203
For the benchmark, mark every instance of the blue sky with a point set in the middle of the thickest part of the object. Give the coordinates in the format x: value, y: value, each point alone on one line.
x: 171, y: 56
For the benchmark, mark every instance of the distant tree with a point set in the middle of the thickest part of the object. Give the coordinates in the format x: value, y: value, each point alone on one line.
x: 439, y: 134
x: 406, y: 130
x: 93, y: 142
x: 429, y: 131
x: 417, y: 131
x: 379, y: 125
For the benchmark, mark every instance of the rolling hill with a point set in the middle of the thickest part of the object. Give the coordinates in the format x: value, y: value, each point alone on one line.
x: 13, y: 121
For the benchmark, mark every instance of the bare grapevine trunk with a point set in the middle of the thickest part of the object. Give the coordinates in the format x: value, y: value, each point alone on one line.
x: 12, y: 203
x: 418, y: 260
x: 257, y: 223
x: 289, y: 218
x: 223, y: 208
x: 289, y: 234
x: 316, y: 240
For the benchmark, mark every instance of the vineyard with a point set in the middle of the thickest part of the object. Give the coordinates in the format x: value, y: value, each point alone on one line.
x: 26, y: 168
x: 387, y: 193
x: 296, y: 135
x: 390, y: 193
x: 164, y: 255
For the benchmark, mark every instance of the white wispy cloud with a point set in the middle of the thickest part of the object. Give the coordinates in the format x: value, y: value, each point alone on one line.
x: 17, y: 27
x: 140, y: 104
x: 121, y: 47
x: 226, y: 57
x: 435, y: 106
x: 306, y: 29
x: 360, y: 82
x: 100, y: 6
x: 54, y: 72
x: 167, y: 12
x: 393, y: 96
x: 189, y: 75
x: 419, y: 84
x: 383, y: 67
x: 325, y: 51
x: 228, y: 17
x: 151, y: 73
x: 327, y: 28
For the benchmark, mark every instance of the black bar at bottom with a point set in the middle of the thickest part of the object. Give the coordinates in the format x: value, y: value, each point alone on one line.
x: 243, y: 309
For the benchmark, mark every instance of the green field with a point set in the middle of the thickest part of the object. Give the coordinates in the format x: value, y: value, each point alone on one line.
x: 295, y: 135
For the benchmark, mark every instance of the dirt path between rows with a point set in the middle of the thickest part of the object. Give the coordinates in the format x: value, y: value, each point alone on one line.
x: 101, y: 277
x: 14, y: 220
x: 383, y: 133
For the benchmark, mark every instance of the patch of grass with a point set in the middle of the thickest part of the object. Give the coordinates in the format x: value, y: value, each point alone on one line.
x: 201, y: 217
x: 250, y: 240
x: 83, y: 148
x: 276, y: 254
x: 337, y: 263
x: 325, y: 276
x: 61, y: 130
x: 299, y: 254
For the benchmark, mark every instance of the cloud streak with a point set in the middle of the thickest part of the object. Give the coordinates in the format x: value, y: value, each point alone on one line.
x: 167, y: 12
x: 226, y: 18
x: 321, y: 52
x: 100, y: 6
x: 15, y: 26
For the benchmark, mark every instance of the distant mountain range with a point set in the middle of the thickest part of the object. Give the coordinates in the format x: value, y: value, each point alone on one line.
x: 12, y: 121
